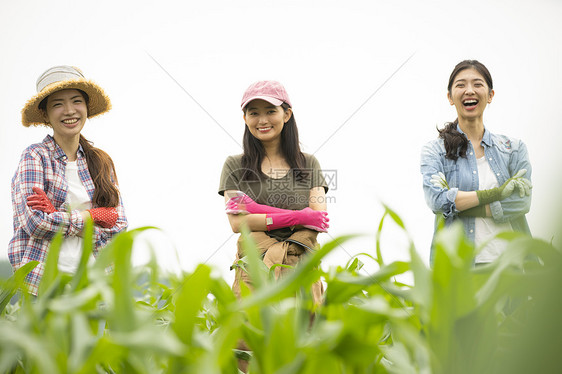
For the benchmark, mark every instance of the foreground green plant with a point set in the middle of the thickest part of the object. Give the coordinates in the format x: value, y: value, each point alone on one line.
x: 113, y: 318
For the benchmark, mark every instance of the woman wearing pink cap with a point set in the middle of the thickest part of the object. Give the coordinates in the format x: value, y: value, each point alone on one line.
x: 64, y: 179
x: 274, y: 188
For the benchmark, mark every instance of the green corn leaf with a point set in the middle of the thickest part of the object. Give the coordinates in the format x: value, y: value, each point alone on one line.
x: 51, y: 270
x: 256, y: 268
x: 35, y: 349
x: 80, y: 279
x: 106, y: 354
x: 395, y: 217
x: 148, y: 338
x: 123, y: 316
x: 75, y: 301
x: 345, y: 285
x: 303, y: 274
x: 194, y: 291
x: 83, y: 341
x: 422, y: 293
x: 378, y: 250
x: 15, y: 283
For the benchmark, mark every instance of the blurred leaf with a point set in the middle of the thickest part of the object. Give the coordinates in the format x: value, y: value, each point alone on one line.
x: 345, y: 285
x: 14, y: 283
x: 81, y: 277
x: 51, y: 270
x: 256, y: 268
x: 72, y: 302
x: 395, y: 217
x: 378, y: 240
x: 82, y: 341
x: 189, y: 302
x: 303, y: 274
x: 149, y: 339
x: 422, y: 293
x: 106, y: 354
x: 123, y: 316
x: 354, y: 264
x: 242, y: 355
x: 33, y: 347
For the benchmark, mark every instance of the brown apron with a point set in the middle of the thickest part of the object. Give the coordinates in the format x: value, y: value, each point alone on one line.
x: 288, y: 252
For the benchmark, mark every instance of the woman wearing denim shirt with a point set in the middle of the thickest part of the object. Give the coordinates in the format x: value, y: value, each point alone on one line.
x: 471, y: 174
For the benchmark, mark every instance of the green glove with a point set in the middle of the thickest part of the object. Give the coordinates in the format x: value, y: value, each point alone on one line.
x: 477, y: 211
x: 499, y: 193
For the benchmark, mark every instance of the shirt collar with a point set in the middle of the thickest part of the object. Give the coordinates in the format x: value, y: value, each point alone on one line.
x: 486, y: 138
x: 52, y: 145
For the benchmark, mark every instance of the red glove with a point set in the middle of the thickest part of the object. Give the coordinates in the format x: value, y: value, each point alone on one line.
x: 40, y: 201
x: 104, y: 217
x: 309, y: 218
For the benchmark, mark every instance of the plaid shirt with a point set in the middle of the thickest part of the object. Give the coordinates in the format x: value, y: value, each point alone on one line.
x: 44, y: 165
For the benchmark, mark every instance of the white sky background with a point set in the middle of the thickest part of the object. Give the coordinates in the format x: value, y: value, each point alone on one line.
x: 330, y: 55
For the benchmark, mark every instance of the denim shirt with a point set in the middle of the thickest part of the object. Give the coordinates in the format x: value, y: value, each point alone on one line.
x: 505, y: 155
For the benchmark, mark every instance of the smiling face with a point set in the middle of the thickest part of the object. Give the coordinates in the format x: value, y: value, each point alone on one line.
x: 66, y: 112
x: 470, y: 94
x: 265, y: 121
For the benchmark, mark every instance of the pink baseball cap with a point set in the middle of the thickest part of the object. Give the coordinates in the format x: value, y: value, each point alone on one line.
x: 271, y: 91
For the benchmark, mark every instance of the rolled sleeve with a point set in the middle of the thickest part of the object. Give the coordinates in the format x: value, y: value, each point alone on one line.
x: 439, y: 200
x: 452, y: 207
x: 76, y: 224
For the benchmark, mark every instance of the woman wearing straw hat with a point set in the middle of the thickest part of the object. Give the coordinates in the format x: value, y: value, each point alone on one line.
x: 275, y: 189
x: 63, y: 180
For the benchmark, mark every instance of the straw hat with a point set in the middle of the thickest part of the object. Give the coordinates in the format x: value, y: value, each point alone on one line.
x: 60, y: 78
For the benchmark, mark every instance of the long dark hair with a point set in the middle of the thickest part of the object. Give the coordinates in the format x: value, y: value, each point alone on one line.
x: 455, y: 142
x: 100, y: 166
x: 290, y: 148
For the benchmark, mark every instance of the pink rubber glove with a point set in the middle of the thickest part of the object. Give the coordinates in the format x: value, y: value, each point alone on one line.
x: 311, y: 219
x: 40, y: 201
x: 243, y: 204
x: 104, y: 217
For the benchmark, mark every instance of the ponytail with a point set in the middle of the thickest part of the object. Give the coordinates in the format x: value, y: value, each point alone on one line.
x: 102, y: 171
x: 455, y: 142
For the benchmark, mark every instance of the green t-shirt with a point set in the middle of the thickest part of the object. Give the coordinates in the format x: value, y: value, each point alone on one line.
x: 286, y: 191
